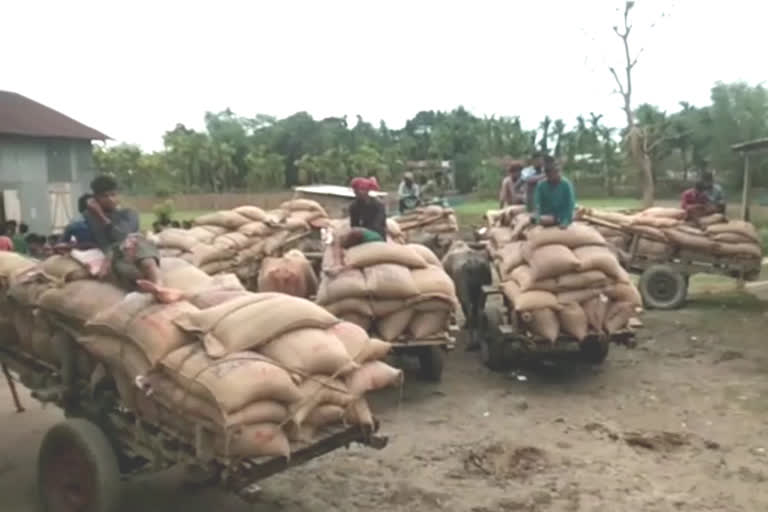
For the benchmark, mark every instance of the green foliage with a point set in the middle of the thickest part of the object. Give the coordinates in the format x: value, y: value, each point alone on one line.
x: 164, y: 211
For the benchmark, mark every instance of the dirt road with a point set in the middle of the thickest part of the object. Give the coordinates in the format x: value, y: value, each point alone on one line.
x: 678, y: 424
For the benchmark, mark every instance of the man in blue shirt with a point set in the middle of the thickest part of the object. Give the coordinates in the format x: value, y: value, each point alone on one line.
x: 77, y: 232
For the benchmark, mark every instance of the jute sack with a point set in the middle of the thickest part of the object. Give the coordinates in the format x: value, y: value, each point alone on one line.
x: 116, y: 353
x: 535, y: 299
x: 433, y: 280
x: 41, y: 340
x: 430, y: 302
x: 274, y: 243
x: 205, y: 254
x: 522, y: 276
x: 748, y: 250
x: 235, y: 241
x: 358, y: 413
x: 373, y: 253
x: 318, y: 390
x: 389, y: 281
x: 63, y: 269
x: 176, y: 239
x: 359, y: 346
x: 231, y: 382
x: 229, y: 327
x: 201, y: 234
x: 349, y: 283
x: 656, y: 222
x: 652, y: 247
x: 393, y: 228
x: 372, y: 376
x: 385, y: 307
x: 521, y: 223
x: 426, y: 253
x: 295, y: 223
x: 392, y: 326
x: 573, y: 320
x: 255, y: 229
x: 581, y: 280
x: 81, y: 300
x: 543, y: 322
x: 649, y: 232
x: 660, y: 211
x: 578, y: 296
x: 732, y: 238
x: 354, y: 305
x: 363, y: 321
x: 170, y: 253
x: 11, y: 262
x: 511, y: 290
x: 303, y: 205
x: 258, y: 440
x: 691, y: 230
x: 147, y: 324
x: 215, y: 296
x: 596, y: 309
x: 310, y: 352
x: 224, y: 219
x: 735, y: 226
x: 290, y: 274
x: 689, y: 241
x: 500, y: 236
x: 552, y: 260
x: 575, y: 235
x: 598, y: 258
x: 625, y: 292
x: 253, y: 213
x: 27, y: 292
x: 511, y: 257
x: 217, y: 267
x: 617, y: 316
x: 428, y: 323
x: 715, y: 218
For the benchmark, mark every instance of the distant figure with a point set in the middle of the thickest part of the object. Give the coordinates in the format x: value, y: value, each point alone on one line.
x: 77, y: 232
x: 530, y: 178
x: 512, y: 190
x: 696, y: 203
x: 35, y: 245
x: 554, y: 199
x: 408, y: 193
x: 6, y: 244
x: 714, y: 192
x: 366, y: 211
x: 133, y: 259
x: 20, y: 240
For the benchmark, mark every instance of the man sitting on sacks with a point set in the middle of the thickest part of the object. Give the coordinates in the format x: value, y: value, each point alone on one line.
x: 365, y: 211
x: 553, y: 199
x: 697, y: 203
x: 132, y: 259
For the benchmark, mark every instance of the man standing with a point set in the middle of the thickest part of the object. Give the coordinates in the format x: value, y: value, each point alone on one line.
x: 365, y: 211
x: 408, y: 193
x: 554, y: 199
x: 133, y: 259
x: 714, y: 192
x: 530, y: 178
x: 512, y: 187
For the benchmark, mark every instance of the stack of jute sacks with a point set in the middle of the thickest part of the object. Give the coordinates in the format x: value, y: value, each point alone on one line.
x: 565, y: 281
x: 666, y: 232
x: 430, y: 220
x: 389, y: 289
x: 237, y: 240
x: 504, y: 226
x: 260, y: 373
x: 394, y: 233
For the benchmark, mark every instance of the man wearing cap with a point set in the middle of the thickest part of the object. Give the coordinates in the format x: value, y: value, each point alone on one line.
x: 408, y: 193
x: 365, y: 211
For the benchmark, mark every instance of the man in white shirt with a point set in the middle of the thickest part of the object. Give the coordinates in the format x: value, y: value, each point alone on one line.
x: 408, y: 193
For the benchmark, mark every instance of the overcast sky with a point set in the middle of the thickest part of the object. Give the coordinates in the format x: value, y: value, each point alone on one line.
x: 133, y: 69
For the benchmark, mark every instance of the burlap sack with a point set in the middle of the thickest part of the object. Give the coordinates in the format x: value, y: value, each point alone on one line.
x: 535, y: 299
x: 598, y: 258
x: 365, y: 322
x: 433, y: 280
x: 258, y: 440
x: 511, y: 290
x: 748, y: 250
x: 715, y: 218
x: 358, y: 413
x: 11, y: 262
x: 63, y: 269
x: 735, y: 226
x: 732, y: 238
x: 625, y: 292
x: 500, y: 236
x: 428, y: 324
x: 522, y: 276
x: 581, y: 280
x: 253, y: 213
x: 310, y: 352
x: 256, y: 229
x: 433, y: 302
x: 234, y: 241
x: 147, y: 324
x: 291, y: 274
x: 573, y: 321
x: 510, y: 257
x: 373, y: 253
x: 649, y: 232
x: 176, y: 239
x: 215, y: 296
x: 653, y: 248
x: 231, y: 382
x: 553, y: 260
x: 596, y: 309
x: 217, y: 267
x: 274, y: 243
x: 201, y: 234
x: 656, y: 222
x: 660, y: 211
x: 543, y: 322
x: 578, y: 296
x: 360, y: 306
x: 349, y: 283
x: 229, y: 327
x: 426, y: 253
x: 389, y: 281
x: 385, y: 307
x: 294, y: 223
x: 393, y: 228
x: 372, y: 376
x: 204, y: 254
x: 392, y: 326
x: 303, y: 205
x: 689, y: 241
x: 116, y: 353
x: 81, y: 300
x: 319, y: 390
x: 617, y: 316
x: 575, y: 235
x: 225, y: 219
x: 359, y: 346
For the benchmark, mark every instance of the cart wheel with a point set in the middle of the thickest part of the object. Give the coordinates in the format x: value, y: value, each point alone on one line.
x: 431, y: 363
x: 663, y: 288
x: 595, y: 351
x: 491, y: 339
x: 77, y: 469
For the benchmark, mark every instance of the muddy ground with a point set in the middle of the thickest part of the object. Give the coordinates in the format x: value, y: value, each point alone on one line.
x: 680, y: 423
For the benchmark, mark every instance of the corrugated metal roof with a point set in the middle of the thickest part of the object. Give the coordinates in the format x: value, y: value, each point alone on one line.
x: 333, y: 190
x: 22, y: 116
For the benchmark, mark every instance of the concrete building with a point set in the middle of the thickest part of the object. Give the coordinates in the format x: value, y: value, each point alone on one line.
x: 45, y: 163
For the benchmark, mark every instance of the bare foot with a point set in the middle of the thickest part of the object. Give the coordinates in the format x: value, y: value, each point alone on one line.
x: 162, y: 294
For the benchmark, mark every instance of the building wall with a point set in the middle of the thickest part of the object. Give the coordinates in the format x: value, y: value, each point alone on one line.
x: 31, y: 166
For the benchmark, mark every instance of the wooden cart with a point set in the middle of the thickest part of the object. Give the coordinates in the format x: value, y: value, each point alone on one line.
x: 83, y: 458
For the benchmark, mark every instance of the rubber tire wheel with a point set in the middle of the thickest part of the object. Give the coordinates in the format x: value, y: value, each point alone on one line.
x: 491, y: 339
x: 595, y: 352
x: 663, y: 288
x: 431, y: 363
x: 95, y: 467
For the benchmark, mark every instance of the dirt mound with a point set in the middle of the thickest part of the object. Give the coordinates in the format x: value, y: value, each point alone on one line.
x: 506, y: 460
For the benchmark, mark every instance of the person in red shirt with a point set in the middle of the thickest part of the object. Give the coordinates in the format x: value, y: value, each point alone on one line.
x: 695, y: 202
x: 6, y: 244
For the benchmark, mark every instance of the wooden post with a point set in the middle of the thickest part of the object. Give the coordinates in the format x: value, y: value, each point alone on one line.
x: 746, y: 192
